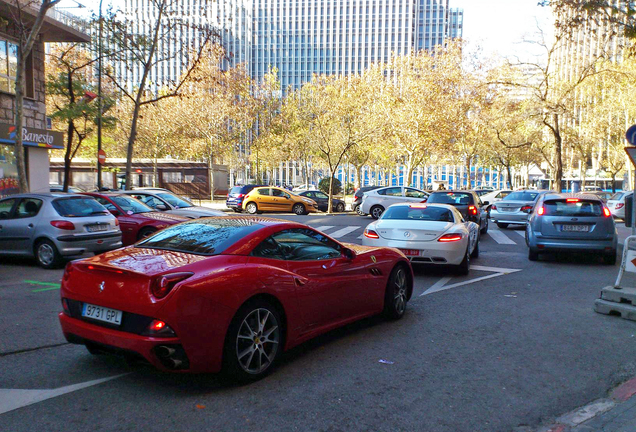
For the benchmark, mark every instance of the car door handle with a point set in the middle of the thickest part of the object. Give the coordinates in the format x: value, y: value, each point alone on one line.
x: 299, y: 282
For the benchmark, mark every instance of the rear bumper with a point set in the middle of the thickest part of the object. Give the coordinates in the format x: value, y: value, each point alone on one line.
x: 511, y: 218
x: 432, y: 252
x: 75, y: 245
x: 538, y: 243
x: 234, y: 203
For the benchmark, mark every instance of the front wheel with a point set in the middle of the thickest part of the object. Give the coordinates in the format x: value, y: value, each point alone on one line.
x: 145, y: 233
x: 253, y: 342
x: 299, y: 209
x: 397, y: 293
x: 376, y: 211
x: 47, y: 255
x: 340, y: 207
x: 251, y: 208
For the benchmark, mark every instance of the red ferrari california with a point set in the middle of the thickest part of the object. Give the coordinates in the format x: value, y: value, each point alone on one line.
x: 228, y: 293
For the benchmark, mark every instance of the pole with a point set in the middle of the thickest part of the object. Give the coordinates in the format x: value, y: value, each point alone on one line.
x: 99, y: 99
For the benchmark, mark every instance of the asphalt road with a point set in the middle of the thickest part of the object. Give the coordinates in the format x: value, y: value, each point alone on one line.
x: 518, y: 347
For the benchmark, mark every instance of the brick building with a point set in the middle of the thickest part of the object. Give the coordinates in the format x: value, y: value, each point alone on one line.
x: 38, y: 140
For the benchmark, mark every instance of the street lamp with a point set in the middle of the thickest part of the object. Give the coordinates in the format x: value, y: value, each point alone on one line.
x: 99, y: 100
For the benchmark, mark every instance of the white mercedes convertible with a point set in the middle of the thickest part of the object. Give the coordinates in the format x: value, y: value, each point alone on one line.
x: 427, y: 234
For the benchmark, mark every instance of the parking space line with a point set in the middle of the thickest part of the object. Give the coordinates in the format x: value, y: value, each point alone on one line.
x: 344, y: 231
x: 500, y: 237
x: 50, y: 285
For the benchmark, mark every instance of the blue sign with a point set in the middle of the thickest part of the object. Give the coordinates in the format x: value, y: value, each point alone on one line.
x: 631, y: 135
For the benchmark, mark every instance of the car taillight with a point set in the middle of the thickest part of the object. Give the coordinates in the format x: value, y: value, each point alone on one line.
x: 572, y: 200
x: 619, y: 206
x: 65, y: 225
x: 606, y: 212
x: 493, y: 207
x: 450, y: 238
x: 162, y: 285
x: 472, y: 210
x: 526, y: 209
x: 240, y: 195
x: 540, y: 211
x: 116, y: 222
x: 371, y: 234
x: 419, y: 205
x: 159, y: 328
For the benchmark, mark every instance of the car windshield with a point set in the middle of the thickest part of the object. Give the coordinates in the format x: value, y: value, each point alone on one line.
x: 201, y: 236
x: 427, y: 213
x: 573, y: 207
x: 522, y: 196
x: 131, y: 205
x: 453, y: 198
x: 174, y: 200
x: 79, y: 207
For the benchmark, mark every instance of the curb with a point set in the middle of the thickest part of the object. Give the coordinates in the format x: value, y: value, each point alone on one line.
x: 581, y: 415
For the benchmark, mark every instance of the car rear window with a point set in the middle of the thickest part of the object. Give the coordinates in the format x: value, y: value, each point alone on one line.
x: 78, y: 207
x: 452, y: 198
x: 522, y: 196
x: 573, y: 208
x: 236, y: 190
x: 617, y: 196
x: 427, y: 213
x: 201, y: 236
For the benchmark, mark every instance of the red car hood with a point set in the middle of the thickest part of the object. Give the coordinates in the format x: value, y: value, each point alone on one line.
x: 121, y: 279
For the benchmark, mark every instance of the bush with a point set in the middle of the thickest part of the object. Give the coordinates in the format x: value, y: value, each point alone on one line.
x: 324, y: 186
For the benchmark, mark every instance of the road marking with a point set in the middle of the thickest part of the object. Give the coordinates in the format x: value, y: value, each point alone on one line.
x: 51, y: 285
x: 441, y: 284
x: 500, y: 237
x: 323, y: 228
x: 12, y: 399
x: 521, y: 233
x: 344, y: 231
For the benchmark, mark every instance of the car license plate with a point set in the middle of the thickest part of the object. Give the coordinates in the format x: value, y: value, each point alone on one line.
x: 112, y: 316
x: 576, y: 228
x: 97, y: 227
x: 410, y: 252
x: 507, y: 209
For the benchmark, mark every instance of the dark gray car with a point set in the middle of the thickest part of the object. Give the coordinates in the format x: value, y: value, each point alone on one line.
x: 52, y: 226
x: 571, y: 223
x: 467, y: 202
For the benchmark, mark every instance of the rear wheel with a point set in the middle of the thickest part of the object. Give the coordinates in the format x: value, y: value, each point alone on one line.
x: 145, y: 233
x: 533, y: 255
x: 251, y: 208
x: 47, y: 255
x: 340, y: 207
x: 484, y: 229
x: 475, y: 253
x: 464, y: 267
x: 358, y: 209
x: 253, y: 342
x: 397, y: 293
x: 376, y: 211
x: 610, y: 258
x: 502, y: 225
x: 299, y: 209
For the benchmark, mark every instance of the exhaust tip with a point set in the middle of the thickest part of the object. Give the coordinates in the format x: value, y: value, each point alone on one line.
x: 164, y: 351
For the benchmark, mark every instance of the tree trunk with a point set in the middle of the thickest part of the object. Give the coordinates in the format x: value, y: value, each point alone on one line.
x: 68, y: 155
x: 558, y: 153
x: 468, y: 186
x: 19, y: 120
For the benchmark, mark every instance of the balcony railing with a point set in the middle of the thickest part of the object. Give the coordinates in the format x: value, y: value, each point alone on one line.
x: 70, y: 20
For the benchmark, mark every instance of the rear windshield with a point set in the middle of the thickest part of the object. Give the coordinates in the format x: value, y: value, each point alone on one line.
x: 429, y: 213
x: 201, y: 236
x: 617, y: 196
x: 522, y: 196
x: 237, y: 190
x: 79, y: 207
x: 573, y: 208
x: 130, y: 205
x: 453, y: 198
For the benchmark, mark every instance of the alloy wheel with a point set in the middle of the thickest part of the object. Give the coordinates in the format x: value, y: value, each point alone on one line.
x: 46, y: 254
x: 400, y: 291
x: 257, y: 341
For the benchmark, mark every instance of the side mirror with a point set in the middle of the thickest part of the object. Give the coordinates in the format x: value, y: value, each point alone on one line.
x: 348, y: 253
x: 115, y: 212
x: 161, y: 207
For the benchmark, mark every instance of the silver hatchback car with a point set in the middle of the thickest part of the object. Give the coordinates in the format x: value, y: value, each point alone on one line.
x: 52, y: 226
x: 514, y: 208
x: 571, y: 223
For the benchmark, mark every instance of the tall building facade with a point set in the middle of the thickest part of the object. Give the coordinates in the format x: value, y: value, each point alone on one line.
x: 299, y: 38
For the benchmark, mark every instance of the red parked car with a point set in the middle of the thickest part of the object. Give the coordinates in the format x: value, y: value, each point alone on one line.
x: 227, y: 293
x: 136, y: 219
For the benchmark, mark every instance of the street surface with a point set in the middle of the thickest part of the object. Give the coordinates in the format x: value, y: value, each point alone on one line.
x: 515, y: 343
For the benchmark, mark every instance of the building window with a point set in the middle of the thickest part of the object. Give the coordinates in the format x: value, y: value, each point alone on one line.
x: 9, y: 69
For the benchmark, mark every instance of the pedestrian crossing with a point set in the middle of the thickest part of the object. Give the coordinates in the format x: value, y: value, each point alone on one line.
x: 502, y: 237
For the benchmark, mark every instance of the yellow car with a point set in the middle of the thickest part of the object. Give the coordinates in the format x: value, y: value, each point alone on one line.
x: 275, y: 199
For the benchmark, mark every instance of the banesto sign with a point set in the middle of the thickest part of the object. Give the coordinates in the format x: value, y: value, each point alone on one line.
x: 33, y: 137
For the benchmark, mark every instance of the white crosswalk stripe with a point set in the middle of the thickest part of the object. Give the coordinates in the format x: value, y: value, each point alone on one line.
x: 344, y: 231
x: 500, y: 237
x: 521, y: 233
x: 324, y: 228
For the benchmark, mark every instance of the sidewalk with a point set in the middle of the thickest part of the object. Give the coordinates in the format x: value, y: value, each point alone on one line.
x: 614, y: 414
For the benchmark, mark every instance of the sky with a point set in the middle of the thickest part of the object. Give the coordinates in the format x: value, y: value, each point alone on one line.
x: 499, y: 26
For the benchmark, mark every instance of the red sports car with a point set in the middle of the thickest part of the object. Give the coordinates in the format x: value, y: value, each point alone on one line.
x: 136, y: 219
x: 227, y: 293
